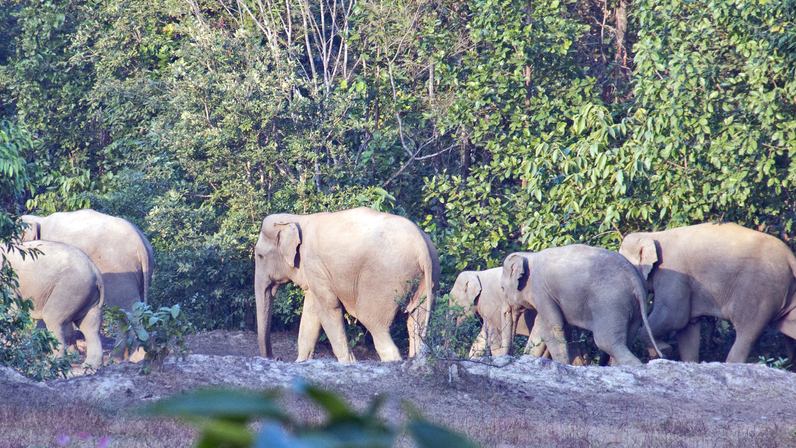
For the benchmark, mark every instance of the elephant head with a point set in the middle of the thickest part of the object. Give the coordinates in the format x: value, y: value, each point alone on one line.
x: 514, y: 278
x: 277, y: 261
x: 466, y: 291
x: 642, y: 252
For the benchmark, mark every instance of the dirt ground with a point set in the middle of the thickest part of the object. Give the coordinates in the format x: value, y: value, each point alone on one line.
x: 527, y: 402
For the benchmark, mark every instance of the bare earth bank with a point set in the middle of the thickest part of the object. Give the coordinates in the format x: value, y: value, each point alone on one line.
x: 528, y: 402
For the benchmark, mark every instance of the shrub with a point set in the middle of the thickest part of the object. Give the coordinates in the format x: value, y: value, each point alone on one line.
x: 159, y: 332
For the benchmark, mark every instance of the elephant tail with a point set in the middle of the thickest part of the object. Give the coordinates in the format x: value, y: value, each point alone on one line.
x: 641, y: 294
x: 423, y: 299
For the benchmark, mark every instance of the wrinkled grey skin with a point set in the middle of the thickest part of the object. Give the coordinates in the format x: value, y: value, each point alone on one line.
x: 65, y: 287
x: 118, y: 248
x: 715, y: 269
x: 480, y: 292
x: 359, y: 261
x: 587, y: 287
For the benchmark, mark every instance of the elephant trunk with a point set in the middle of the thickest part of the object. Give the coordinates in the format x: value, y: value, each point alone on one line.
x: 462, y: 318
x: 264, y: 293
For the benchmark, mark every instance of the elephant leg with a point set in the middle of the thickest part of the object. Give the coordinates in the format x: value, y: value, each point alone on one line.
x: 57, y: 329
x: 90, y: 327
x: 384, y: 344
x: 330, y: 312
x: 70, y: 337
x: 745, y: 336
x: 551, y: 322
x: 378, y: 324
x: 536, y: 346
x: 668, y: 315
x: 493, y: 337
x: 479, y: 346
x: 69, y: 342
x: 615, y: 346
x: 120, y: 348
x: 688, y: 341
x: 309, y: 329
x: 416, y: 325
x: 612, y: 337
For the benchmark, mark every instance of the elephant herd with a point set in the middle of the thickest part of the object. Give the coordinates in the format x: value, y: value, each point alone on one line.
x: 370, y: 264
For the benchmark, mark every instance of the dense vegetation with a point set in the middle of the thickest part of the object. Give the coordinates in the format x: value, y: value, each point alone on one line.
x: 496, y: 125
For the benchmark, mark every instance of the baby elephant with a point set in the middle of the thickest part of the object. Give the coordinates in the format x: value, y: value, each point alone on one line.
x: 480, y: 292
x: 65, y: 287
x: 588, y: 287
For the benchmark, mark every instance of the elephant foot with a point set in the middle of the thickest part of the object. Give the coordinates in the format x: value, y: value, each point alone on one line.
x: 91, y: 366
x: 347, y: 359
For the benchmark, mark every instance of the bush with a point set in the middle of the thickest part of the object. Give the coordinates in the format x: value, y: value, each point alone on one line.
x: 447, y: 339
x: 26, y: 349
x: 159, y: 332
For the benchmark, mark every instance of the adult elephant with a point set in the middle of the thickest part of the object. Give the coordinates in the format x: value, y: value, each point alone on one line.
x: 362, y: 261
x: 480, y: 292
x: 715, y: 269
x: 65, y: 287
x: 118, y: 248
x: 587, y: 287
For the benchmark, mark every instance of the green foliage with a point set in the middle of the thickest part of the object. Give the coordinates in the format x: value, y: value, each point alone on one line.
x: 496, y: 125
x: 224, y: 419
x: 23, y: 347
x: 715, y: 118
x: 450, y: 334
x: 160, y: 332
x: 15, y: 180
x: 779, y: 363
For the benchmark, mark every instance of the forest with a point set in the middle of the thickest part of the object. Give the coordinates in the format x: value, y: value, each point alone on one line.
x: 495, y: 125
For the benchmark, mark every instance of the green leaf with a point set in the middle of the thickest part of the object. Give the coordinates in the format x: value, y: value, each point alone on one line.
x: 428, y: 435
x: 221, y: 404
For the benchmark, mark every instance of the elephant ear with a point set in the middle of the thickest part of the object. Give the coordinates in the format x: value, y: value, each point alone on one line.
x: 32, y: 231
x: 514, y: 268
x: 648, y: 256
x: 288, y: 241
x: 472, y: 289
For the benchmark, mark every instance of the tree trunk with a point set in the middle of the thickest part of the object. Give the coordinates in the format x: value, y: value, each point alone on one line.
x: 620, y: 59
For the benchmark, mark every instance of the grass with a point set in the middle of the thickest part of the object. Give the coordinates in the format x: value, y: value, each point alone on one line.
x: 30, y: 420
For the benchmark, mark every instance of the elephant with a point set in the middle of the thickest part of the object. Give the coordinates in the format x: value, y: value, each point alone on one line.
x: 65, y: 286
x: 118, y: 248
x: 721, y: 270
x: 480, y: 292
x: 358, y: 260
x: 588, y: 287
